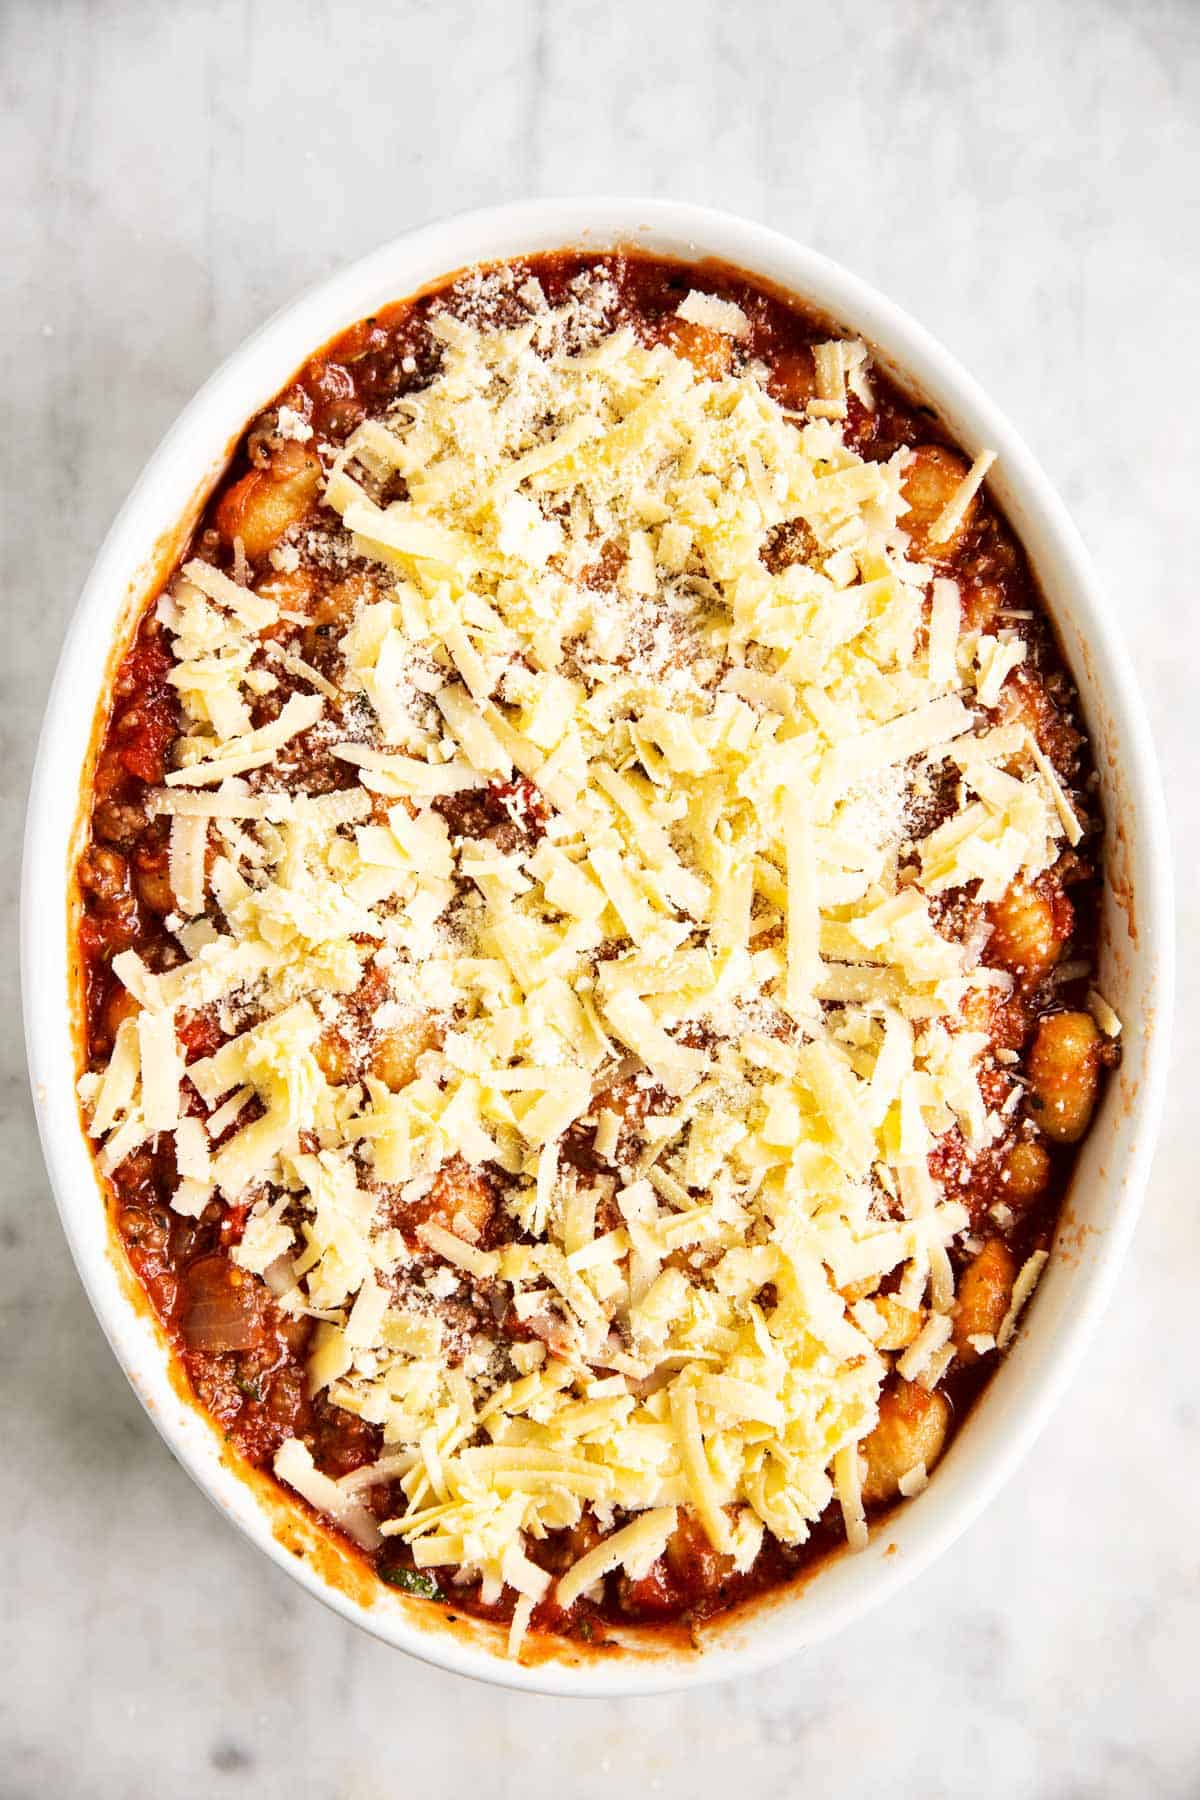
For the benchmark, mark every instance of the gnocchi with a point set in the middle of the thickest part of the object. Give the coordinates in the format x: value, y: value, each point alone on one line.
x: 930, y: 482
x: 1028, y: 933
x: 709, y: 352
x: 461, y: 1200
x: 912, y: 1429
x: 264, y: 504
x: 333, y: 1057
x: 1026, y: 1171
x: 984, y: 1291
x: 397, y: 1051
x: 901, y: 1324
x: 1064, y: 1074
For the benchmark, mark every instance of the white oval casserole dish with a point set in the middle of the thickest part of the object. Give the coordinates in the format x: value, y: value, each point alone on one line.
x: 1136, y: 969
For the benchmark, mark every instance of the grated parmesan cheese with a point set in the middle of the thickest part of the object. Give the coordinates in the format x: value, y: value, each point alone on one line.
x: 633, y: 1548
x: 716, y: 952
x: 1102, y: 1012
x: 1028, y: 1277
x: 954, y: 511
x: 718, y: 315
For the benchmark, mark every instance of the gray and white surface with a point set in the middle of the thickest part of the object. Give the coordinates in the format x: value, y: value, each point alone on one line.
x: 1025, y: 177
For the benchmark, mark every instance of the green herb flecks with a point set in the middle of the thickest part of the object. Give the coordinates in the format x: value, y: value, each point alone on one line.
x: 413, y: 1581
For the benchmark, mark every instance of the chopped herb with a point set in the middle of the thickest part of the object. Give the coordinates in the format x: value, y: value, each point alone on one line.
x: 251, y: 1389
x: 585, y: 1630
x: 413, y: 1581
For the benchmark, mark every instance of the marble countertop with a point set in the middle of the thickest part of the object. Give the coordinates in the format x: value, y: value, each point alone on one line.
x: 1025, y: 178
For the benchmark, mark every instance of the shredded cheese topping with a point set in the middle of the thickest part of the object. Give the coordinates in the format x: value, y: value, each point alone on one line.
x: 716, y: 953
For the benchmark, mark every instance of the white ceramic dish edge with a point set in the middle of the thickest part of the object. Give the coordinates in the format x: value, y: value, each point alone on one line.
x: 1137, y: 971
